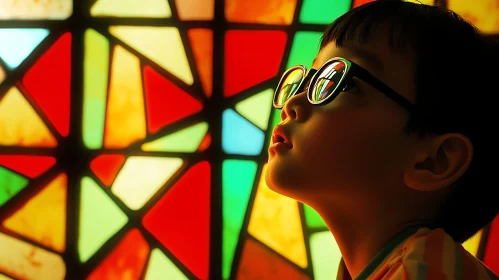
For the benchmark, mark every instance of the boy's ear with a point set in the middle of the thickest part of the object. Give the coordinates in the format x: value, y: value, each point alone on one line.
x: 439, y: 163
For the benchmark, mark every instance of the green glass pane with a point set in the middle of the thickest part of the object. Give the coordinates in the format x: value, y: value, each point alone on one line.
x: 323, y: 11
x: 313, y: 218
x: 11, y: 183
x: 276, y: 119
x: 257, y: 108
x: 304, y: 48
x: 160, y: 267
x: 186, y: 140
x: 100, y: 218
x: 96, y: 68
x: 237, y: 183
x: 325, y: 255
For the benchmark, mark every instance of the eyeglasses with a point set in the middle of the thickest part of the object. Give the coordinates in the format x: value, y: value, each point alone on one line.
x: 328, y: 82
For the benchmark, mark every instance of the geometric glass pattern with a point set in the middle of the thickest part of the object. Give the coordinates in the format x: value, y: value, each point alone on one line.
x: 134, y: 134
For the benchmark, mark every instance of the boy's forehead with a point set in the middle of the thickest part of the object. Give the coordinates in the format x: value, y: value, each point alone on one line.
x: 395, y: 67
x: 366, y: 57
x: 375, y: 53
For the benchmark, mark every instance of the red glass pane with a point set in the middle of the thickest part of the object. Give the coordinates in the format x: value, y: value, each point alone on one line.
x: 29, y: 166
x: 126, y: 261
x: 48, y: 83
x: 251, y: 57
x: 357, y: 3
x: 258, y: 262
x: 106, y: 167
x: 491, y: 256
x: 181, y: 219
x: 166, y: 103
x: 205, y: 144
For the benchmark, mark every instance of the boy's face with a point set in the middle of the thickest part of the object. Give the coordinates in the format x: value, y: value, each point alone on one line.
x: 354, y: 147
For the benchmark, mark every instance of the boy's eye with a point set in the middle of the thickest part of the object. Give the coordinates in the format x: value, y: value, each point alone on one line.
x: 351, y: 86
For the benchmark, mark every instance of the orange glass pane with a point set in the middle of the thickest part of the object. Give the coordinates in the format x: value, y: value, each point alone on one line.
x: 260, y: 11
x: 258, y: 262
x: 25, y: 261
x: 202, y: 46
x: 125, y: 117
x: 275, y: 221
x: 21, y: 125
x: 195, y: 9
x: 126, y: 261
x: 43, y: 218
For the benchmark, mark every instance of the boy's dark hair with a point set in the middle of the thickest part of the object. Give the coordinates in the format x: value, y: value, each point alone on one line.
x: 456, y: 78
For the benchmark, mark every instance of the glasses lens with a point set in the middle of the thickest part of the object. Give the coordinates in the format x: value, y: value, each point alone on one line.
x: 327, y: 80
x: 290, y: 83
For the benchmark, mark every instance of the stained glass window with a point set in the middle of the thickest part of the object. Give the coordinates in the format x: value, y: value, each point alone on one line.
x: 133, y: 139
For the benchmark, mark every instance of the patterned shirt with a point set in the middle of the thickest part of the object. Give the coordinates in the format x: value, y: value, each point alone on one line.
x: 422, y: 254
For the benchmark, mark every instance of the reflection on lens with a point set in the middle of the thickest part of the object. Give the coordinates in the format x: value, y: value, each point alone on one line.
x: 289, y: 86
x: 327, y: 80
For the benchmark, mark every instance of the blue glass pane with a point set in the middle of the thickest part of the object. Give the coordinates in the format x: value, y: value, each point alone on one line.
x: 239, y: 136
x: 18, y: 43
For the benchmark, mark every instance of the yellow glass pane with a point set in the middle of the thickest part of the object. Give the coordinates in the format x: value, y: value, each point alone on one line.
x: 131, y: 8
x: 125, y: 119
x: 162, y: 45
x: 2, y: 75
x: 260, y: 11
x: 21, y: 125
x: 43, y: 218
x: 483, y: 14
x: 160, y: 267
x: 186, y: 140
x: 275, y: 221
x: 141, y: 177
x: 257, y: 108
x: 195, y: 9
x: 471, y: 245
x: 25, y: 261
x: 35, y: 9
x: 325, y: 255
x: 427, y: 2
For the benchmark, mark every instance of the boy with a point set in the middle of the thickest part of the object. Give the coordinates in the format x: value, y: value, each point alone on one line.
x: 386, y: 137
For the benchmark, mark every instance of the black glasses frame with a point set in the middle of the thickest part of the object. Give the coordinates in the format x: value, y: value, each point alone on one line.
x: 352, y: 70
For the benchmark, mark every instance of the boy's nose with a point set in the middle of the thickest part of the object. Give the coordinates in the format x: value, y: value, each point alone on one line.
x: 295, y: 107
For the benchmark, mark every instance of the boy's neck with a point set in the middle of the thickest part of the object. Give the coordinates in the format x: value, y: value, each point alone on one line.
x: 361, y: 237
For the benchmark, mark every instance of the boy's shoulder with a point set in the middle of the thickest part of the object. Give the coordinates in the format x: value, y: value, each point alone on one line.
x: 429, y: 254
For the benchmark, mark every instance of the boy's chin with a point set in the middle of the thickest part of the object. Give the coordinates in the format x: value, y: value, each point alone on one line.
x: 281, y: 182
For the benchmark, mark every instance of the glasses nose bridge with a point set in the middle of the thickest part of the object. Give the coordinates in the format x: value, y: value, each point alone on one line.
x: 295, y: 106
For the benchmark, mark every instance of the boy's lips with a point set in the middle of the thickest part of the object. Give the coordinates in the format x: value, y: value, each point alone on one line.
x: 280, y: 138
